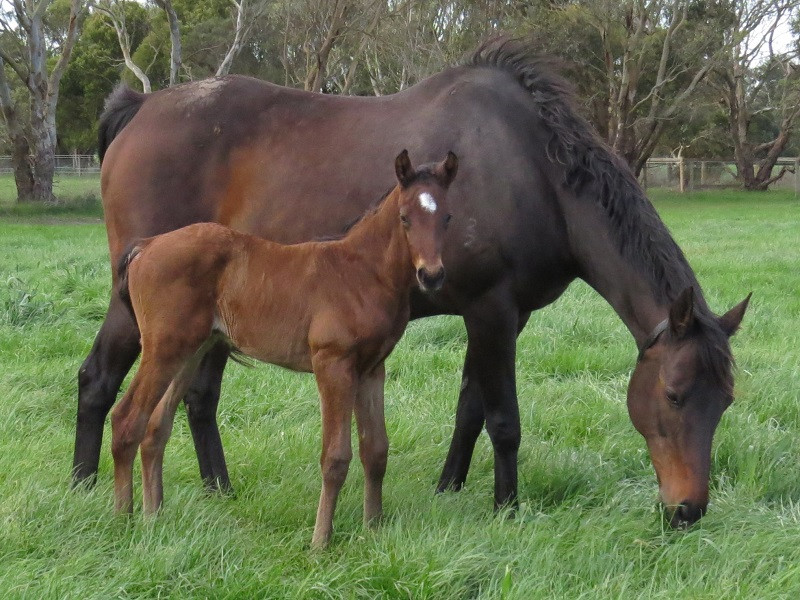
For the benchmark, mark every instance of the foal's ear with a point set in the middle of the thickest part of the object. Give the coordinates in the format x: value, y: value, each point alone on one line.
x: 681, y: 313
x: 447, y: 169
x: 731, y: 320
x: 402, y: 167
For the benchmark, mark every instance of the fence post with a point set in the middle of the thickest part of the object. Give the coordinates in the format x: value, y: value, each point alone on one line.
x: 644, y: 175
x: 691, y: 165
x: 681, y: 169
x: 797, y: 176
x: 702, y: 173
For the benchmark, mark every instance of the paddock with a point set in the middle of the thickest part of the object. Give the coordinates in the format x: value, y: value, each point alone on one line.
x: 588, y: 522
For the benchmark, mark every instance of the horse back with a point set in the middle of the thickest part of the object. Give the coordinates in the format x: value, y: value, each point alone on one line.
x: 292, y: 166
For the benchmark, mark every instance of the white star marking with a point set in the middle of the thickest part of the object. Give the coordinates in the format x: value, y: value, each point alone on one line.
x: 427, y: 202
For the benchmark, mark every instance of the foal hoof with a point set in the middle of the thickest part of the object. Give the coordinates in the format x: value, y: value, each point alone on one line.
x: 319, y: 545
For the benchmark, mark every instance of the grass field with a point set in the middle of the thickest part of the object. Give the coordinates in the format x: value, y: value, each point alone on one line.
x: 78, y: 199
x: 588, y: 524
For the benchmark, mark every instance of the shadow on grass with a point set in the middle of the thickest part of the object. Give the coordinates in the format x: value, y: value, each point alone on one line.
x: 83, y: 207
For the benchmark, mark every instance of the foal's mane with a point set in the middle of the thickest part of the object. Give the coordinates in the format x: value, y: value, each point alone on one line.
x: 592, y: 169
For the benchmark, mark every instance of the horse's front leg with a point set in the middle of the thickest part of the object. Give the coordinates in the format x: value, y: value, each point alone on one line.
x: 488, y: 391
x: 337, y: 383
x: 373, y: 443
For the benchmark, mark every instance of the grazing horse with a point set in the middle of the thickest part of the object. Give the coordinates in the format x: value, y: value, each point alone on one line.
x: 336, y: 308
x: 541, y: 201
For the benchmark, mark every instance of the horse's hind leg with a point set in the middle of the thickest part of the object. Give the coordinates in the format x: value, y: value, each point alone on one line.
x: 159, y: 428
x: 99, y: 378
x: 201, y: 407
x: 129, y: 422
x: 373, y: 443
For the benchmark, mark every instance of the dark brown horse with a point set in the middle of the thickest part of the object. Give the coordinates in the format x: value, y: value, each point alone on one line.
x: 336, y: 308
x: 540, y: 201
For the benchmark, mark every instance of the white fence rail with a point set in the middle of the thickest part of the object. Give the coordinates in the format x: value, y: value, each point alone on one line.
x: 66, y: 164
x: 689, y: 174
x: 682, y: 174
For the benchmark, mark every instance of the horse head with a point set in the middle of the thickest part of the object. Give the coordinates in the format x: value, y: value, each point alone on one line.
x: 424, y: 214
x: 681, y: 386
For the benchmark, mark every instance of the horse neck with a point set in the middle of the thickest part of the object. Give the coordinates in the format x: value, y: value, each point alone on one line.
x: 639, y: 284
x: 379, y: 242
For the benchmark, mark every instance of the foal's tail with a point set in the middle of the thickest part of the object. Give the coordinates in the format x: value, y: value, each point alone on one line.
x: 122, y: 275
x: 121, y: 106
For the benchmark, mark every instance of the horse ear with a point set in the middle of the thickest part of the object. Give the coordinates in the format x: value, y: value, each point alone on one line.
x: 447, y: 169
x: 681, y: 313
x: 731, y: 320
x: 402, y: 167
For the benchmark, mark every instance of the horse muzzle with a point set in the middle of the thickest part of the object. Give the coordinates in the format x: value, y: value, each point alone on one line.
x: 686, y: 514
x: 430, y: 280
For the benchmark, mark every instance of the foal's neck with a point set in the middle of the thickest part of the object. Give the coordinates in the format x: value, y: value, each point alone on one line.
x: 379, y: 241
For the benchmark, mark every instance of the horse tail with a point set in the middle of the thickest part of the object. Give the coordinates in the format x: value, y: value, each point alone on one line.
x: 122, y: 275
x: 120, y: 107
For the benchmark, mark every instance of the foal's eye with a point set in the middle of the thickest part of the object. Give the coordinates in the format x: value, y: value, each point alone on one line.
x: 404, y: 220
x: 447, y: 218
x: 674, y: 398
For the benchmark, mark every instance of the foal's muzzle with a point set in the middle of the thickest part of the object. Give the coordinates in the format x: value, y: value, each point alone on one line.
x: 430, y: 279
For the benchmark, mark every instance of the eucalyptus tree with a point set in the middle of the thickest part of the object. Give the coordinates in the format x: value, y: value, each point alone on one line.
x: 36, y: 46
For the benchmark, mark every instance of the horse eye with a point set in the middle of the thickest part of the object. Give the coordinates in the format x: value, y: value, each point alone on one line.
x: 447, y: 218
x: 404, y: 220
x: 674, y: 398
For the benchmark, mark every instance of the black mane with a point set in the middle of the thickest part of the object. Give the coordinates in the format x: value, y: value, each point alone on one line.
x: 589, y: 165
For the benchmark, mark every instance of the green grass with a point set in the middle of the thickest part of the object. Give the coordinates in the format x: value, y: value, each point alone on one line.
x: 78, y: 200
x: 588, y: 525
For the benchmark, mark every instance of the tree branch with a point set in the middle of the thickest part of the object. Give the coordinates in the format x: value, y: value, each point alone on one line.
x: 77, y: 13
x: 20, y: 72
x: 118, y: 22
x: 175, y: 38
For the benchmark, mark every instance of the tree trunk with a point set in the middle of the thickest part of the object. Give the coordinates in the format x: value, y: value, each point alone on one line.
x: 43, y: 149
x: 238, y: 39
x: 20, y: 149
x: 316, y: 74
x: 175, y: 38
x: 23, y: 174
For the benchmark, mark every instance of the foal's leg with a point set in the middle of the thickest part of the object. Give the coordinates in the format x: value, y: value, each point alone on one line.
x: 488, y: 391
x: 115, y: 348
x: 337, y: 389
x: 373, y: 443
x: 159, y: 428
x: 129, y: 422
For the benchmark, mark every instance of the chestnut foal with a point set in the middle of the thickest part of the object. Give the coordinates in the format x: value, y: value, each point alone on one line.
x: 336, y: 308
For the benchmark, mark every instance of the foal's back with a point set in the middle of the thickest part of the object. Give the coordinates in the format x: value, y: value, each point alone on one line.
x: 273, y: 302
x: 206, y: 279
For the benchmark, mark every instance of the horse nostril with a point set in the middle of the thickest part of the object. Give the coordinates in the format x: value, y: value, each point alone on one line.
x: 430, y: 280
x: 687, y: 514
